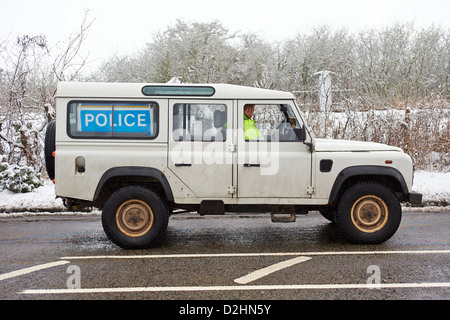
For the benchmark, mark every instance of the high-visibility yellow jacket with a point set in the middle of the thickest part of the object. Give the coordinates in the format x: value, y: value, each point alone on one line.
x: 251, y: 132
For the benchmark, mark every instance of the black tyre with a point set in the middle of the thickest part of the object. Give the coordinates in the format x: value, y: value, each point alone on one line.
x: 368, y: 213
x: 134, y: 217
x: 49, y: 148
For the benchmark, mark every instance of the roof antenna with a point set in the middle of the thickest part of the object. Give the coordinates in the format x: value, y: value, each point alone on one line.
x: 175, y: 80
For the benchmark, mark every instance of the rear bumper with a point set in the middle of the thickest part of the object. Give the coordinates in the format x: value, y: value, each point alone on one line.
x: 415, y: 198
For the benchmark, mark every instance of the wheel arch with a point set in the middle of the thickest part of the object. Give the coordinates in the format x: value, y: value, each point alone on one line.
x: 118, y: 177
x: 390, y: 177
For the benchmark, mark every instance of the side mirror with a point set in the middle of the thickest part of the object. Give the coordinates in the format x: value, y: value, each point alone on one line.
x: 300, y: 133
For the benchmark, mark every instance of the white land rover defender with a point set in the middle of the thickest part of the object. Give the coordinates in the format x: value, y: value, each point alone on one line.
x: 142, y: 152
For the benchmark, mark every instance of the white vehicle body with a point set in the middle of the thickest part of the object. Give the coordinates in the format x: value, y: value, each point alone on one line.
x: 185, y: 142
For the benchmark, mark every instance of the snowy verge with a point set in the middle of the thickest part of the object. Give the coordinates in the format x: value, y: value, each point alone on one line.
x: 435, y: 187
x: 39, y: 200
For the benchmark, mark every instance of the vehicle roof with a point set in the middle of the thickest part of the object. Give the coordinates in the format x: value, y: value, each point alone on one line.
x: 134, y: 90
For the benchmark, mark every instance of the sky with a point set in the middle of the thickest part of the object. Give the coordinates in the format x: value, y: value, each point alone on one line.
x: 123, y: 27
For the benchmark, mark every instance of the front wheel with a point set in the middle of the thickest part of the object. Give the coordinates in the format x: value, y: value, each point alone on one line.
x: 134, y: 217
x: 368, y: 213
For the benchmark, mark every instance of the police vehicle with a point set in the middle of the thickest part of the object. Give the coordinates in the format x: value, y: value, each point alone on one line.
x: 141, y: 152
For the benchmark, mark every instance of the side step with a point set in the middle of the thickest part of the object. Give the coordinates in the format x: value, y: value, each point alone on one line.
x: 282, y: 214
x: 211, y: 207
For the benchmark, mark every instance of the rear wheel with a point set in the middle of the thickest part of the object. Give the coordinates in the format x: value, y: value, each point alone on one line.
x: 368, y: 213
x: 134, y: 217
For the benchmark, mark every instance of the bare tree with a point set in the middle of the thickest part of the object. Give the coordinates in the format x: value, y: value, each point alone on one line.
x: 28, y: 79
x: 68, y: 63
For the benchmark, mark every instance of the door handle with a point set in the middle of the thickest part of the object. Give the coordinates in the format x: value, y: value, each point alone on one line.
x: 251, y: 165
x: 183, y: 164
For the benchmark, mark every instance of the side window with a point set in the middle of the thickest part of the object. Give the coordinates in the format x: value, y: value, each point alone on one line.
x: 274, y: 122
x: 119, y: 120
x: 199, y: 122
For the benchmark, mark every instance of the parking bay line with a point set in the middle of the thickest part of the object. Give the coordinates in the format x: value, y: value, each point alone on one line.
x: 39, y: 267
x: 255, y: 275
x: 240, y: 288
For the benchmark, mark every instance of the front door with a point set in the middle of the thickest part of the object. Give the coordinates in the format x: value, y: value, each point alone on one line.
x: 272, y: 163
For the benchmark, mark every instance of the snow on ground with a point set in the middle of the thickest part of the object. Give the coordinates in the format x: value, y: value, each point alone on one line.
x: 40, y: 199
x: 435, y: 187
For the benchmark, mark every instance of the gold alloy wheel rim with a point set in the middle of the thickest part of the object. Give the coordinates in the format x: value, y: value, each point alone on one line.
x: 369, y: 214
x: 134, y: 218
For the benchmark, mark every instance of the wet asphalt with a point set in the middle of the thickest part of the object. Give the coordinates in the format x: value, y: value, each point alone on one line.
x: 201, y: 257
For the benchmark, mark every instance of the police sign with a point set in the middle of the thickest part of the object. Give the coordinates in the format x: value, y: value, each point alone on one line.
x: 127, y: 118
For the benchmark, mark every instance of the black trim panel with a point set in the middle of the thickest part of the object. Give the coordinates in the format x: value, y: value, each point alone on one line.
x: 326, y: 165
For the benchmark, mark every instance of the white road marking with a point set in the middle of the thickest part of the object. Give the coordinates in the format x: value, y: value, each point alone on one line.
x: 240, y: 288
x: 20, y: 272
x: 270, y: 269
x: 300, y: 256
x: 263, y: 254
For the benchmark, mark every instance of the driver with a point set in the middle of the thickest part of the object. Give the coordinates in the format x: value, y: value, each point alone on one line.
x: 251, y: 132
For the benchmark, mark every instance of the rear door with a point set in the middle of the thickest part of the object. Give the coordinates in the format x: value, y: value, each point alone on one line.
x: 200, y: 150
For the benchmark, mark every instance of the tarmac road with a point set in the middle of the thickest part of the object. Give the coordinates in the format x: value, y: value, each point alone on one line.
x: 224, y: 258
